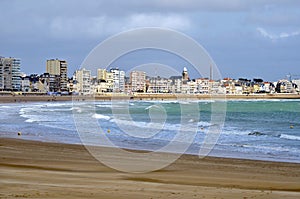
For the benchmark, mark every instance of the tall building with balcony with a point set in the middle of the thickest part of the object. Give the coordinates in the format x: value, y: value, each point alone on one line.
x: 176, y: 84
x: 110, y: 81
x: 82, y: 81
x: 138, y: 81
x: 101, y: 74
x: 118, y: 80
x: 159, y: 85
x: 58, y: 68
x: 10, y: 76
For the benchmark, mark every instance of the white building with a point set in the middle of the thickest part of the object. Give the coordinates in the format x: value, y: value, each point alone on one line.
x: 297, y: 82
x: 285, y: 86
x: 159, y: 85
x: 25, y: 84
x: 215, y: 88
x: 138, y: 81
x: 118, y: 80
x: 176, y: 84
x: 82, y: 84
x: 203, y: 85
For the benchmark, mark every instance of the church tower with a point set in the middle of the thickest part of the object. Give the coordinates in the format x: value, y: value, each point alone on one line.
x: 185, y: 75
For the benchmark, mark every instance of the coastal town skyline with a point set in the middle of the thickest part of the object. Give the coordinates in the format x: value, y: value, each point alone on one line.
x: 175, y: 70
x: 114, y: 79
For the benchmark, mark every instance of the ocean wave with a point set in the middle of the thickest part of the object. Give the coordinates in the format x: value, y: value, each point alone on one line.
x: 152, y: 106
x: 30, y: 120
x: 115, y: 105
x: 159, y: 126
x: 263, y: 100
x: 104, y: 105
x: 208, y: 101
x: 204, y: 124
x: 41, y: 119
x: 265, y: 149
x: 100, y: 116
x: 57, y: 104
x: 232, y: 131
x: 138, y: 124
x: 5, y: 107
x: 290, y: 137
x: 161, y: 102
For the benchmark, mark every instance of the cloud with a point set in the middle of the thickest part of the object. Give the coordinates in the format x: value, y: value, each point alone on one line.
x: 274, y: 19
x: 174, y: 21
x: 221, y: 5
x: 275, y: 37
x: 65, y: 27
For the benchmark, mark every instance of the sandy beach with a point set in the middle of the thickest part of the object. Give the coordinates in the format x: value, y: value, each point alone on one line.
x: 142, y: 96
x: 31, y: 169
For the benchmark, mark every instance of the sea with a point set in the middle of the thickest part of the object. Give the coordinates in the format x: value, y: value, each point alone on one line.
x: 248, y: 129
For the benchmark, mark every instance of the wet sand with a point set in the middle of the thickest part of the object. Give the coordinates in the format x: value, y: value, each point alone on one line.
x: 31, y: 169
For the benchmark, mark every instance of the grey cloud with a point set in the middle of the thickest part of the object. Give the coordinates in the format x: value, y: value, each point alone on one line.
x: 277, y: 19
x: 35, y: 30
x: 54, y: 8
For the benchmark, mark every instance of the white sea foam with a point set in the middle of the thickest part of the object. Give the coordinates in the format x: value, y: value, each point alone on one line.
x: 58, y: 104
x: 100, y: 116
x: 155, y: 126
x: 289, y: 137
x: 161, y: 102
x: 206, y: 101
x: 133, y: 123
x: 30, y: 120
x: 235, y: 132
x: 204, y: 124
x: 5, y: 106
x: 77, y: 109
x: 104, y: 105
x: 184, y: 102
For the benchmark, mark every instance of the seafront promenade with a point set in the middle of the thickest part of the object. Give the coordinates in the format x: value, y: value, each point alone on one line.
x: 143, y: 96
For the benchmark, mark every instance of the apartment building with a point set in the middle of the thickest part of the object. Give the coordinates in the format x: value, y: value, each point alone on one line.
x: 82, y: 83
x: 10, y: 76
x: 137, y: 81
x: 58, y: 68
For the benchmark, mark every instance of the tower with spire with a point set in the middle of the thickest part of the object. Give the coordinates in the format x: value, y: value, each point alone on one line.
x: 185, y: 75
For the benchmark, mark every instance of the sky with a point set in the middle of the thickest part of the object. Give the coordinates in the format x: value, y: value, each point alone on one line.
x: 245, y: 38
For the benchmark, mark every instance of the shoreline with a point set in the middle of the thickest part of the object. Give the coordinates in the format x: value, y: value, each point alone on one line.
x: 212, y: 154
x: 52, y: 170
x: 143, y: 96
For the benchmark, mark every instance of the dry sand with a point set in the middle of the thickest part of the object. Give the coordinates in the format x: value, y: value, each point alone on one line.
x: 31, y: 169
